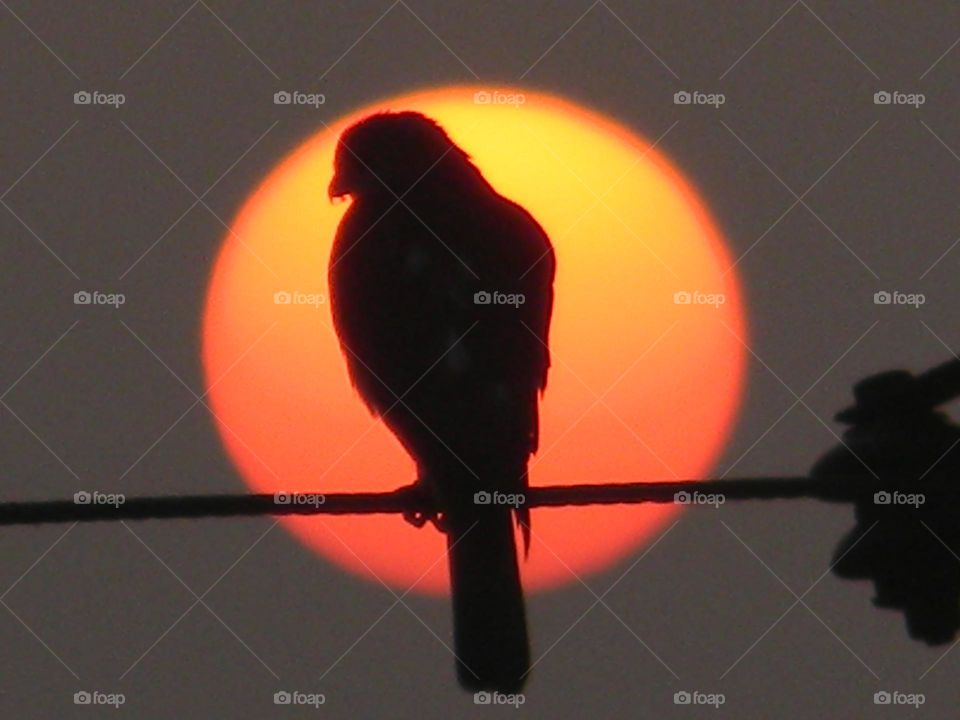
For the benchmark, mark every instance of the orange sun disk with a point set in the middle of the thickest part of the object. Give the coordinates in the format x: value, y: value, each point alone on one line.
x: 644, y: 386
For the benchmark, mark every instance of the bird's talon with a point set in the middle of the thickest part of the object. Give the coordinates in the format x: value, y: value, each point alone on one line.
x: 423, y: 503
x: 415, y: 518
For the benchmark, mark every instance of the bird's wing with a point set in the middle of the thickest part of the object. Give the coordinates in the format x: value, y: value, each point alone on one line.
x: 404, y: 290
x: 524, y: 265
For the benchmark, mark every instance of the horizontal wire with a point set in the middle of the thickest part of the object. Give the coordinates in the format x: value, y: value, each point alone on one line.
x: 105, y: 507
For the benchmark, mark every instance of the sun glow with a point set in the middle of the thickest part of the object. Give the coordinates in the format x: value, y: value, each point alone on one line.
x: 647, y: 365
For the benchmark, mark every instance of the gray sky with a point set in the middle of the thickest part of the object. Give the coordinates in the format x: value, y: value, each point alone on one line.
x: 826, y: 196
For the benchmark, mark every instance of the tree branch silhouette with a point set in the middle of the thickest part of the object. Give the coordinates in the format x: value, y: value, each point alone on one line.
x: 404, y: 499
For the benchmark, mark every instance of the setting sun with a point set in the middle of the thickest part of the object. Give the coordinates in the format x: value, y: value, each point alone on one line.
x: 647, y: 366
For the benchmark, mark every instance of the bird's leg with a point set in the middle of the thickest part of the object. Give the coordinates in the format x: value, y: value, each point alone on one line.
x: 424, y: 505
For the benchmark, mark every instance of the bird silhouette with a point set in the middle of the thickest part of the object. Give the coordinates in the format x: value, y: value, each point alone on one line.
x: 442, y: 291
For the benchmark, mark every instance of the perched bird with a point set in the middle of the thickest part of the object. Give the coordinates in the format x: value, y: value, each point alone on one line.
x: 441, y: 291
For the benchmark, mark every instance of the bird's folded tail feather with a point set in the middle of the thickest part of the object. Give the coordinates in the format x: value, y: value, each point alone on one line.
x: 489, y: 617
x: 522, y: 515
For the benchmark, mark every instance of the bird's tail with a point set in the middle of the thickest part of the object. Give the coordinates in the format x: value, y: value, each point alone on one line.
x: 489, y: 619
x: 522, y: 515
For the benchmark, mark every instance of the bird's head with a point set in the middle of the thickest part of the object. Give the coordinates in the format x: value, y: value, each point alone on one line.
x: 388, y: 153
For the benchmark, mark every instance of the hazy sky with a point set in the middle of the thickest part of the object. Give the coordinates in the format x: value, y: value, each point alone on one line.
x: 828, y: 197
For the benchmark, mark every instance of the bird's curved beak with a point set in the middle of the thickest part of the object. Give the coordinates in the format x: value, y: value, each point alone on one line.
x: 337, y: 188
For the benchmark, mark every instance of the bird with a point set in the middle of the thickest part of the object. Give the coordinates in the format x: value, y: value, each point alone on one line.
x: 441, y: 292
